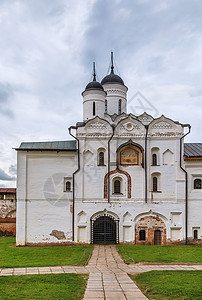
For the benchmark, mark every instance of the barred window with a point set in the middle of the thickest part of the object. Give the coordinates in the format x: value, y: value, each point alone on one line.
x: 155, y: 182
x: 195, y: 234
x: 101, y: 159
x: 142, y: 235
x: 68, y: 186
x: 117, y: 187
x: 154, y: 159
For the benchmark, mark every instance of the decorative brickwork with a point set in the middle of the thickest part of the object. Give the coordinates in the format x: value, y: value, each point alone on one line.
x: 114, y: 172
x: 150, y: 224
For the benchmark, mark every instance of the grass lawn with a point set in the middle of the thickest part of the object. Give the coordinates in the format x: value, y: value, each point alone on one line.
x: 170, y: 284
x: 59, y: 286
x: 133, y: 253
x: 11, y: 256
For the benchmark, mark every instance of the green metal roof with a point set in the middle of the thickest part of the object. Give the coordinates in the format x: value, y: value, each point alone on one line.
x: 49, y: 146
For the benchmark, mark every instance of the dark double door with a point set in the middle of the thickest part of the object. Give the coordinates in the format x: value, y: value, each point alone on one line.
x: 104, y: 230
x: 157, y: 237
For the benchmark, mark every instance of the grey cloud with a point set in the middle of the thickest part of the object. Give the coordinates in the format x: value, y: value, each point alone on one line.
x: 13, y: 169
x: 4, y: 176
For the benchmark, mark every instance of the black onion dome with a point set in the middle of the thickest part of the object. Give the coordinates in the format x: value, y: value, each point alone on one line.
x: 94, y: 85
x: 112, y: 78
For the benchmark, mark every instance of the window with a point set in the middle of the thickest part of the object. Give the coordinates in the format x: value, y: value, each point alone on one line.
x: 197, y: 183
x: 119, y: 108
x: 155, y: 181
x: 142, y: 235
x: 105, y: 106
x: 101, y: 159
x: 154, y: 159
x: 93, y: 108
x: 117, y: 187
x: 68, y: 186
x: 195, y: 234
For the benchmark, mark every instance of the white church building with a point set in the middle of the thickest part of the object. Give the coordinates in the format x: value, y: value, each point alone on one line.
x: 120, y: 178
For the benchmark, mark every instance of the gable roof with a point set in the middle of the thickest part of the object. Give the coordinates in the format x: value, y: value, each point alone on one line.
x: 49, y: 146
x: 192, y: 150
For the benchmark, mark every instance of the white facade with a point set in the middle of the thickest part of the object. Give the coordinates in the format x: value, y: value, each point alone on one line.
x: 123, y: 182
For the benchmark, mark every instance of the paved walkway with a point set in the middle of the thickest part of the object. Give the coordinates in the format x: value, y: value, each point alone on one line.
x: 108, y: 277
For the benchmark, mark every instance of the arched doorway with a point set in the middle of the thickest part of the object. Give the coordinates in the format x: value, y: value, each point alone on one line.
x: 157, y: 237
x: 104, y: 230
x: 150, y: 230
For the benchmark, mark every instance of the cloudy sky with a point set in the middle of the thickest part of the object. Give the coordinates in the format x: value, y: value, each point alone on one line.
x: 46, y: 52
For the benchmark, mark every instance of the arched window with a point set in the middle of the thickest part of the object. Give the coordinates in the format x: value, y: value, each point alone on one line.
x: 105, y: 106
x: 101, y: 159
x: 155, y: 184
x: 197, y: 183
x: 68, y: 186
x: 142, y: 235
x: 195, y: 234
x: 93, y: 108
x: 117, y: 186
x: 154, y: 159
x: 119, y: 108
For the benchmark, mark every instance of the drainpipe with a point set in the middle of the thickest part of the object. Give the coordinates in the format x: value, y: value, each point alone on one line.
x: 108, y: 183
x: 73, y: 179
x: 145, y: 162
x: 186, y: 183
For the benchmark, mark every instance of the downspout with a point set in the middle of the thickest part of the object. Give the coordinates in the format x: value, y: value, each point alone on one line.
x: 186, y: 183
x: 145, y: 161
x: 108, y: 182
x: 73, y: 180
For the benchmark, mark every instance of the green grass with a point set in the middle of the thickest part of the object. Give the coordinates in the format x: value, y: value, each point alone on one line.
x: 186, y: 285
x: 167, y: 254
x: 11, y: 256
x: 59, y: 286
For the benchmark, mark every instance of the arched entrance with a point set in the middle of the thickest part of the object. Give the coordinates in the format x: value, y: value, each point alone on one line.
x: 104, y: 230
x: 157, y: 237
x: 150, y: 230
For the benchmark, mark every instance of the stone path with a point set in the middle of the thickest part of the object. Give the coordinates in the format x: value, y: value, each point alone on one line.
x: 108, y: 277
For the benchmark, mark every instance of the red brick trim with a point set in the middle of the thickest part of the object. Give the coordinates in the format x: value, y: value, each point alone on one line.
x: 113, y: 172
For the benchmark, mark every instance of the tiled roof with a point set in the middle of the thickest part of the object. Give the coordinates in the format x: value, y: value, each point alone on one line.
x: 8, y: 190
x: 193, y: 149
x: 56, y: 145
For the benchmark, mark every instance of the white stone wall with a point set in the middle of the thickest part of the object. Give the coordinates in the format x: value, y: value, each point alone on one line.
x: 44, y: 210
x: 43, y: 205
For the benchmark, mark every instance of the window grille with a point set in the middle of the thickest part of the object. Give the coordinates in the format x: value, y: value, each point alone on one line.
x: 68, y: 186
x: 117, y: 187
x: 155, y: 184
x: 142, y: 235
x: 195, y: 234
x: 154, y: 160
x: 101, y: 159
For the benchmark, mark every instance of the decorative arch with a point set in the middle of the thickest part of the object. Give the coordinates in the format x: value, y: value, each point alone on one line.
x: 130, y: 153
x: 151, y: 223
x: 119, y: 172
x: 102, y: 213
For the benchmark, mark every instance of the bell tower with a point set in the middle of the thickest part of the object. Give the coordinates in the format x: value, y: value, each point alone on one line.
x: 93, y: 99
x: 116, y: 92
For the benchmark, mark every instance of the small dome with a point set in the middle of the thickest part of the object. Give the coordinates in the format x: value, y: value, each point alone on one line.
x: 112, y: 78
x: 94, y: 85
